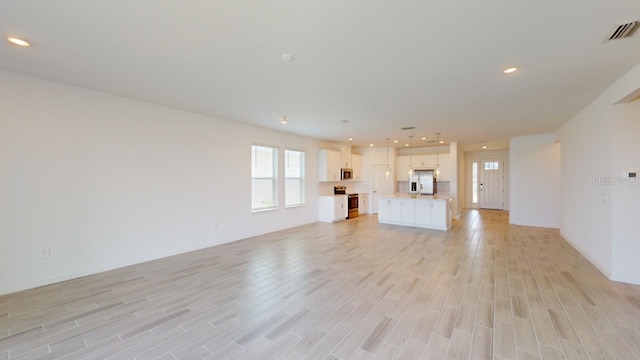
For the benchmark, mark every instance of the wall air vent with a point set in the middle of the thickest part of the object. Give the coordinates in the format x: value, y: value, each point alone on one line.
x: 624, y: 31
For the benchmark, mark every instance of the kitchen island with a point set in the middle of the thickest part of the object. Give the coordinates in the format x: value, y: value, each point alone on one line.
x: 425, y: 211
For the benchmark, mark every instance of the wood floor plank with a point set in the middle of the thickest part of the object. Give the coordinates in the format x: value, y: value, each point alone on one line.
x: 354, y: 339
x: 328, y: 343
x: 387, y: 352
x: 446, y: 322
x: 482, y: 345
x: 305, y: 344
x: 379, y: 334
x: 504, y: 342
x: 460, y: 345
x: 436, y: 348
x: 412, y: 350
x: 525, y: 336
x: 563, y: 326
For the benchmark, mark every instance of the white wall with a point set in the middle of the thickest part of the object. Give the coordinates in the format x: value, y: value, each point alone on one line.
x: 462, y: 189
x: 453, y: 186
x: 625, y: 192
x: 586, y: 210
x: 106, y: 181
x: 535, y: 181
x: 472, y: 156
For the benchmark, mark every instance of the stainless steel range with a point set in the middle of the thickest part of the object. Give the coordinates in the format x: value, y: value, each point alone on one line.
x: 352, y: 201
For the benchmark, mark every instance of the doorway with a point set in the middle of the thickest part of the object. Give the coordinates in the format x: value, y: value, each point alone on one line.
x: 381, y: 185
x: 491, y: 184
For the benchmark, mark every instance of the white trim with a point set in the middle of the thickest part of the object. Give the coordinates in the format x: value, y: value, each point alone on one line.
x: 591, y: 260
x: 95, y: 270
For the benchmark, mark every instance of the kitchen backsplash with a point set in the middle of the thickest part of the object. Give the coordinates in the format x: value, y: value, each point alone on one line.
x: 402, y: 187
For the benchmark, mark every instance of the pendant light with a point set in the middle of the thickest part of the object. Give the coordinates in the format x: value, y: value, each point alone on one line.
x: 437, y: 173
x: 410, y: 157
x: 388, y: 172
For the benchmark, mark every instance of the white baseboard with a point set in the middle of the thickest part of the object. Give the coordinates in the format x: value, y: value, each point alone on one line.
x: 589, y: 258
x: 95, y: 270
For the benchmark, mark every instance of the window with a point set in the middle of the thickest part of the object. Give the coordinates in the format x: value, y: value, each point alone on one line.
x: 293, y: 178
x: 491, y: 165
x: 474, y: 182
x: 264, y: 179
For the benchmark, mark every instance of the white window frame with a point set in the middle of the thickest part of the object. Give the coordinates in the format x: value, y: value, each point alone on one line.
x: 273, y: 178
x: 301, y: 177
x: 475, y: 177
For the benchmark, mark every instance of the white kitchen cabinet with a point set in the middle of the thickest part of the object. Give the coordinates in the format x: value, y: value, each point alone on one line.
x: 332, y: 208
x: 440, y: 212
x: 363, y: 203
x: 425, y: 212
x: 388, y: 210
x: 345, y: 157
x: 356, y: 165
x: 328, y: 165
x: 408, y: 210
x: 445, y: 167
x: 402, y: 168
x: 423, y: 161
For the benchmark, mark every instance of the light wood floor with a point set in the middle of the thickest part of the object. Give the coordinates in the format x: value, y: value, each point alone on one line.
x: 351, y: 290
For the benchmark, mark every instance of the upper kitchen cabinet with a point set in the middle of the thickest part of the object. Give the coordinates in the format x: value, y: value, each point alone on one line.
x: 356, y: 165
x: 328, y: 165
x: 402, y: 168
x: 445, y: 167
x: 423, y: 161
x: 345, y: 157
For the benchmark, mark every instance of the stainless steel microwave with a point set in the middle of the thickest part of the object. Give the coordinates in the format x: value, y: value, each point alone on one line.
x: 346, y: 174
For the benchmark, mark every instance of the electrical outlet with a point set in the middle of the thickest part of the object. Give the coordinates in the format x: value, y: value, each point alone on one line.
x: 45, y: 252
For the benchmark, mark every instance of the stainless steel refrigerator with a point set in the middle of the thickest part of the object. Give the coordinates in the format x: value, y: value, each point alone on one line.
x: 422, y: 182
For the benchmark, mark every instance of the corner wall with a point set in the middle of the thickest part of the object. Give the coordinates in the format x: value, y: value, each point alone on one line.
x: 587, y: 157
x: 625, y: 192
x: 105, y: 182
x: 535, y: 181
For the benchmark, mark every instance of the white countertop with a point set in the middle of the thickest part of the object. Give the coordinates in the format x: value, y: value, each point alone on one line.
x: 407, y: 196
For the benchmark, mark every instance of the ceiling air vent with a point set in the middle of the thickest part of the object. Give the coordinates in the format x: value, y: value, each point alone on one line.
x: 624, y: 31
x: 408, y: 128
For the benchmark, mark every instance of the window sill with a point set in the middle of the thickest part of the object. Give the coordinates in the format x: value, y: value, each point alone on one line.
x: 294, y: 206
x: 257, y: 211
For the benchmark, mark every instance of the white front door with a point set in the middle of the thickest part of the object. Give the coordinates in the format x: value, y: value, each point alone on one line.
x: 381, y: 185
x: 492, y: 184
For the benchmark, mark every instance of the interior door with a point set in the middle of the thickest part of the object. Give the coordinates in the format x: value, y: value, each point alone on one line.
x: 381, y: 185
x: 492, y: 184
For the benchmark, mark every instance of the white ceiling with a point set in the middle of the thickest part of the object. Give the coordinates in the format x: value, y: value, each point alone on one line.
x: 381, y: 65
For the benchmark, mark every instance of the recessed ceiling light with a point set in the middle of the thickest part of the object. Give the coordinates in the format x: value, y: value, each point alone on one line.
x: 371, y: 145
x: 288, y: 57
x: 395, y: 141
x: 284, y: 120
x: 484, y: 146
x: 350, y: 139
x: 510, y: 70
x: 441, y: 141
x: 18, y: 42
x: 406, y: 144
x: 424, y: 138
